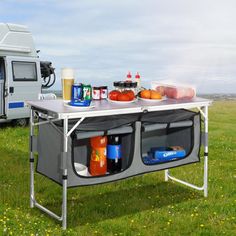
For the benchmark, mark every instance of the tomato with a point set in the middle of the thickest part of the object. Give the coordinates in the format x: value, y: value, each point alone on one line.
x: 130, y: 93
x: 114, y: 94
x: 123, y: 97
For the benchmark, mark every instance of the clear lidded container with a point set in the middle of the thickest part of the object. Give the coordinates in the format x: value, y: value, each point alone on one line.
x: 116, y: 84
x: 122, y: 86
x: 125, y: 85
x: 131, y: 86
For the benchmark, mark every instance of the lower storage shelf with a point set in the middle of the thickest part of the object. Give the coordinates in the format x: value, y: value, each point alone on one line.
x: 82, y: 152
x: 169, y: 143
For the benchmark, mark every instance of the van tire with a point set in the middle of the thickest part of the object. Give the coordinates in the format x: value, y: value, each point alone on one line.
x: 21, y: 122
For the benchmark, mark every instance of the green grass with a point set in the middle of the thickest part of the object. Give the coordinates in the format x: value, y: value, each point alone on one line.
x: 143, y: 205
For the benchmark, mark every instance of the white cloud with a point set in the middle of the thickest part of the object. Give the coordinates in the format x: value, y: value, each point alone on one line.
x: 102, y: 39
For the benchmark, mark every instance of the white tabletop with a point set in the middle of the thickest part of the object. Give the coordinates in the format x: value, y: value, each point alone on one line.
x: 58, y: 109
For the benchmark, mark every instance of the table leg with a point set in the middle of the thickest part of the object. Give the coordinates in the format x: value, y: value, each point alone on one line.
x: 64, y: 176
x: 166, y: 175
x: 204, y: 187
x: 206, y: 152
x: 32, y: 197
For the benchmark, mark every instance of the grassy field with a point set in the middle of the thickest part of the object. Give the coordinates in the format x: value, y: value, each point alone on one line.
x: 144, y: 205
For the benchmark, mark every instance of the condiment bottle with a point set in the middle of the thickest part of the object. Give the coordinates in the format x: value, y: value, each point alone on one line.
x: 114, y: 156
x: 129, y: 77
x: 137, y: 79
x: 98, y: 160
x: 96, y: 93
x: 103, y: 92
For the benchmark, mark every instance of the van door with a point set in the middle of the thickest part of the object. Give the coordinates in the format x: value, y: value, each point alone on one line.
x: 2, y: 81
x: 24, y: 84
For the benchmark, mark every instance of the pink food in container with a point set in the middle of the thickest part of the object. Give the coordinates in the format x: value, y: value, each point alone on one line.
x: 174, y: 91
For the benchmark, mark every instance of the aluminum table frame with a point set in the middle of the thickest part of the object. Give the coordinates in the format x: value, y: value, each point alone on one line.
x: 55, y: 110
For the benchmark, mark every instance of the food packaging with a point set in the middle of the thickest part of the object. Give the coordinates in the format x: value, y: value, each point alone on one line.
x: 164, y: 154
x: 174, y: 90
x: 167, y: 153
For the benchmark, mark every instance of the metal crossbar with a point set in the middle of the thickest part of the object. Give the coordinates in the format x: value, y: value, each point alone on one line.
x: 44, y: 209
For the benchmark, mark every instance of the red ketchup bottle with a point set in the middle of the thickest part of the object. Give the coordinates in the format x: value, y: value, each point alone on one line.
x: 129, y: 77
x: 137, y: 79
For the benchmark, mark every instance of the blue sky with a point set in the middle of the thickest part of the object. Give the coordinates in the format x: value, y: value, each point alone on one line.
x: 183, y: 40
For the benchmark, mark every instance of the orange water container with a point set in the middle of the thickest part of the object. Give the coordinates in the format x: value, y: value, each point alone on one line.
x: 98, y: 160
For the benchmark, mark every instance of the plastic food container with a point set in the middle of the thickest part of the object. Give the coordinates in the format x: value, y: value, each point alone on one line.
x: 130, y: 86
x: 116, y: 84
x: 125, y: 85
x: 135, y: 87
x: 174, y: 90
x: 119, y: 85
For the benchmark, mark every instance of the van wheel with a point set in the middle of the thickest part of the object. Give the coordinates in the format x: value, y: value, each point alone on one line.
x: 21, y: 122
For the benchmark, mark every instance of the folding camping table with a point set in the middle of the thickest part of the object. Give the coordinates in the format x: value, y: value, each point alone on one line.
x: 53, y: 111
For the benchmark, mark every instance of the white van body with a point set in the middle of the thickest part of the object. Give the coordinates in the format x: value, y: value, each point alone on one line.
x: 20, y: 75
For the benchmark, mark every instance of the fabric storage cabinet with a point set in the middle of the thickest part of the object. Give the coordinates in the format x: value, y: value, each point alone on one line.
x: 139, y: 133
x: 51, y: 160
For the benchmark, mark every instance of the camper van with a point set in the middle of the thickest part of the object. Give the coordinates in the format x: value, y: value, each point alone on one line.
x: 22, y: 75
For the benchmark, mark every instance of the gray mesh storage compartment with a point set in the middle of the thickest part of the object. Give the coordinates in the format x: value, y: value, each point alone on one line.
x: 50, y: 156
x: 81, y: 150
x: 81, y: 153
x: 176, y: 128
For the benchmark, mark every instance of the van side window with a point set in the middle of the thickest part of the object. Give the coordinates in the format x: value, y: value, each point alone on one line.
x: 24, y: 71
x: 1, y: 69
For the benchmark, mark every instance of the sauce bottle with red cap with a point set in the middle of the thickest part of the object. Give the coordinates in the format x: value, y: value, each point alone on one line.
x: 129, y: 77
x: 137, y: 79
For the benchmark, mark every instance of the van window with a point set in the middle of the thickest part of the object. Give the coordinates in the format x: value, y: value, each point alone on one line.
x: 1, y: 69
x: 24, y: 71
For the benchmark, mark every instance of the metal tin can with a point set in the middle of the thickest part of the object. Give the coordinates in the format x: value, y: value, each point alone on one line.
x: 96, y: 93
x: 87, y: 92
x: 104, y: 92
x: 77, y: 92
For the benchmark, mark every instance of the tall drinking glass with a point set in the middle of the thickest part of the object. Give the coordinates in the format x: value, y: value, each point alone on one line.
x: 67, y: 80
